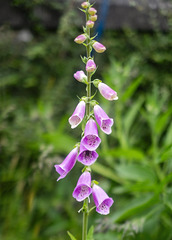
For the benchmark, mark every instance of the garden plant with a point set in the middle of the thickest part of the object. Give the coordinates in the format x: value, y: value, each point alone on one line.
x: 85, y: 151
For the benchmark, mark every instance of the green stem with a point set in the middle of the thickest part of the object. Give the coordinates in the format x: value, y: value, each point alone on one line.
x: 88, y: 89
x: 88, y: 73
x: 85, y: 220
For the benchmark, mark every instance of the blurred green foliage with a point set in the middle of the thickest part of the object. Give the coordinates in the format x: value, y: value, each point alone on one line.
x: 37, y: 95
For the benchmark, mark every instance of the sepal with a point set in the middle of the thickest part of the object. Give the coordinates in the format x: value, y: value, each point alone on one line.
x: 96, y: 82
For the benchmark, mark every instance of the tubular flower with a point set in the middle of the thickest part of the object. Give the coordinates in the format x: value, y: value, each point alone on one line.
x: 80, y: 39
x: 90, y: 66
x: 98, y: 47
x: 103, y: 120
x: 77, y: 115
x: 83, y: 187
x: 90, y: 24
x: 86, y: 156
x: 91, y: 139
x: 92, y: 11
x: 67, y: 164
x: 80, y: 76
x: 107, y: 92
x: 102, y: 201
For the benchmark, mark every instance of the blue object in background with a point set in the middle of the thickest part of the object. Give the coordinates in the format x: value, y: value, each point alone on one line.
x: 104, y: 7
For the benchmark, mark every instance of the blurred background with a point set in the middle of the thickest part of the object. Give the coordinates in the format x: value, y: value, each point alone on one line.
x: 38, y: 93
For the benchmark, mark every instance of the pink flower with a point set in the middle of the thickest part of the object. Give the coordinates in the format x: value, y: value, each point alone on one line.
x: 65, y: 167
x: 83, y: 187
x: 93, y: 18
x: 85, y: 5
x: 77, y: 115
x: 107, y: 92
x: 102, y: 201
x: 91, y: 139
x: 90, y: 66
x: 92, y: 11
x: 90, y: 24
x: 80, y: 39
x: 86, y: 156
x: 80, y: 76
x: 103, y: 120
x: 98, y: 47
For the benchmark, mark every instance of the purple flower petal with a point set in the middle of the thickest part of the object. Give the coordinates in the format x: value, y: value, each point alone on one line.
x: 67, y: 164
x: 91, y: 139
x: 83, y: 187
x: 80, y: 76
x: 90, y: 66
x: 102, y: 201
x: 86, y: 156
x: 107, y: 92
x: 78, y: 115
x: 103, y: 120
x: 98, y: 47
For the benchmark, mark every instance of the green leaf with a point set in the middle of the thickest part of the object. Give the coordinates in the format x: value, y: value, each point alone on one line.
x: 134, y: 207
x: 71, y: 236
x: 168, y: 198
x: 131, y: 89
x: 136, y: 172
x: 84, y: 59
x: 106, y: 172
x: 162, y: 121
x: 127, y: 153
x: 131, y: 114
x: 61, y: 141
x: 168, y: 136
x: 90, y: 233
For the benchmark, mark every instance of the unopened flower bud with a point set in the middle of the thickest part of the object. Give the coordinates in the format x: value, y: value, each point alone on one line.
x: 93, y: 18
x: 77, y: 115
x: 92, y: 11
x: 80, y: 76
x: 85, y: 5
x: 90, y: 24
x: 107, y: 92
x: 98, y: 47
x: 80, y: 39
x: 90, y: 66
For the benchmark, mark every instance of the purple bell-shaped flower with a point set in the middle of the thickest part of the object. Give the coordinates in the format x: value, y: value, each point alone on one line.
x: 83, y: 187
x: 102, y: 201
x: 67, y: 164
x: 91, y: 139
x: 102, y: 119
x: 77, y: 115
x: 86, y: 156
x: 107, y: 92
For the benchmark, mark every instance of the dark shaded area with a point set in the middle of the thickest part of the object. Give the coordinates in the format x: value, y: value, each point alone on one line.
x: 140, y: 15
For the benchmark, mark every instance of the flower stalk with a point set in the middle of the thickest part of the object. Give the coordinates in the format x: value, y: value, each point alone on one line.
x: 89, y: 111
x: 88, y: 90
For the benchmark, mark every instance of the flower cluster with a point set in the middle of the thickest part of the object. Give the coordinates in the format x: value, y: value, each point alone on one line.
x: 89, y: 110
